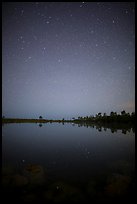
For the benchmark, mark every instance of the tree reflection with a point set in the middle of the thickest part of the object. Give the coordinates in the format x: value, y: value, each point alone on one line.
x: 124, y: 131
x: 133, y: 129
x: 114, y: 127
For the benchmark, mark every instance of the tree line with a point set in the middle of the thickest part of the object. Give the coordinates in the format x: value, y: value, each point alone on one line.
x: 114, y: 116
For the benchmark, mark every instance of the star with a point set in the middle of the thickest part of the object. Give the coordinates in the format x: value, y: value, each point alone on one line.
x: 92, y: 31
x: 29, y: 58
x: 22, y: 12
x: 35, y: 37
x: 57, y: 19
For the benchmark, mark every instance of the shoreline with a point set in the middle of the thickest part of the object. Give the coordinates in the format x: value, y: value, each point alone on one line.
x: 19, y: 120
x: 76, y: 121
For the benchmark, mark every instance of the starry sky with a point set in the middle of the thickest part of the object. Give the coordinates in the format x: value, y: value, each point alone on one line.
x: 67, y: 59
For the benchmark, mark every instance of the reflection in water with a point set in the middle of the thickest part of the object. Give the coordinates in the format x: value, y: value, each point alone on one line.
x: 103, y: 126
x: 112, y: 126
x: 68, y: 162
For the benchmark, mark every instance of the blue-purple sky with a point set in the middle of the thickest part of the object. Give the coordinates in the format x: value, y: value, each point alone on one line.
x: 67, y: 59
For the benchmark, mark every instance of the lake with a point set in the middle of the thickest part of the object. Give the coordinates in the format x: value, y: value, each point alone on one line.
x: 70, y: 162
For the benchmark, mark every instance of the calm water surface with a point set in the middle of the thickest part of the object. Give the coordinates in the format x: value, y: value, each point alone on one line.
x: 68, y: 152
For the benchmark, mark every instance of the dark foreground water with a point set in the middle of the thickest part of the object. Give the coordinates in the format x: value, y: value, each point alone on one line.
x: 70, y: 163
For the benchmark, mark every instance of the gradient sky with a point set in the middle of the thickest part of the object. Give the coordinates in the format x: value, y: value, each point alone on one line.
x: 67, y: 59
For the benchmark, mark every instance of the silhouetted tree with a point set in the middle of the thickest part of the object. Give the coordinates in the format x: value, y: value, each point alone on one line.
x: 40, y: 117
x: 133, y: 114
x: 112, y: 113
x: 99, y: 114
x: 123, y: 112
x: 91, y: 116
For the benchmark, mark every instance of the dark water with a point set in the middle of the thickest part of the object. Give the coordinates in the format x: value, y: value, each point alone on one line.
x: 72, y: 163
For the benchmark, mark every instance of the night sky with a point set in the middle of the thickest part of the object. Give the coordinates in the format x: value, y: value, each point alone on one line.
x: 67, y: 59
